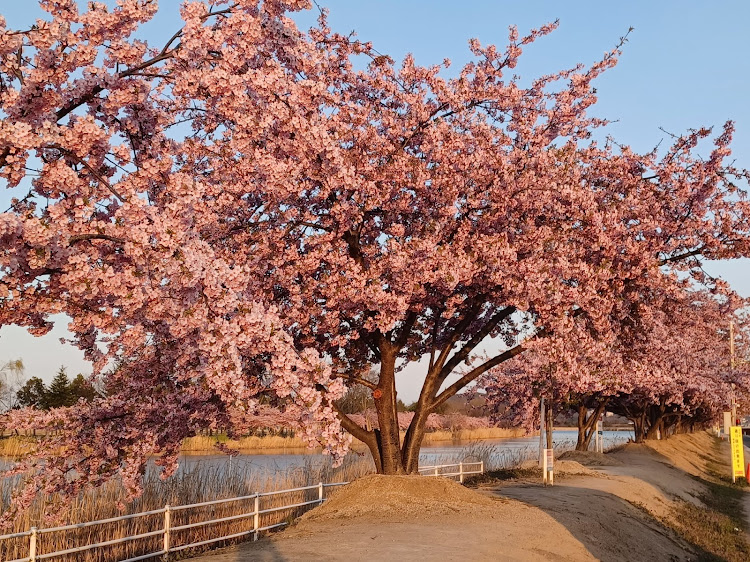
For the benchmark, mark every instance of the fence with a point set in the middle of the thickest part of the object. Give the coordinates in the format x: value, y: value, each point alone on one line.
x: 168, y: 530
x: 464, y: 469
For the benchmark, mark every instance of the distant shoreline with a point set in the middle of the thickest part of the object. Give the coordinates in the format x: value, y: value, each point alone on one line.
x: 14, y: 446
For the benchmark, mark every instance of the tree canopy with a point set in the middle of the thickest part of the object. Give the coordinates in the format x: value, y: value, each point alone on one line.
x: 248, y: 210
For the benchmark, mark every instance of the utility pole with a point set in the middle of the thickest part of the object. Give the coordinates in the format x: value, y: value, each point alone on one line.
x: 731, y: 368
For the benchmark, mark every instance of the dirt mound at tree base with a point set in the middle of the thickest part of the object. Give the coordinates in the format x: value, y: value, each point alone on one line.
x: 389, y: 497
x: 590, y: 458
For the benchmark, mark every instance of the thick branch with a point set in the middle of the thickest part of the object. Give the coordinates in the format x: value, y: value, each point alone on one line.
x: 474, y: 374
x: 353, y: 427
x: 411, y: 318
x: 358, y: 380
x: 475, y: 341
x: 458, y: 331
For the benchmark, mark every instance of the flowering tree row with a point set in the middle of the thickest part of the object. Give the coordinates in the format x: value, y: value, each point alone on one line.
x: 670, y: 368
x: 248, y: 213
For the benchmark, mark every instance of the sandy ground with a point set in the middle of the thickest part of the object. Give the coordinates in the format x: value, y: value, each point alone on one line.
x: 607, y: 510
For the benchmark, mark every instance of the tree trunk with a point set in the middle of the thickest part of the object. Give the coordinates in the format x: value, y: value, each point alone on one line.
x: 549, y: 423
x: 639, y: 427
x: 656, y: 419
x: 587, y: 425
x: 387, y: 438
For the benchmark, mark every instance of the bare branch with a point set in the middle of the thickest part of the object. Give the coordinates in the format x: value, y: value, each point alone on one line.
x: 73, y: 240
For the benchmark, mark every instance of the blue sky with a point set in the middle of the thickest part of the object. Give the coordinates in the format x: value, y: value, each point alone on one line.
x: 686, y: 65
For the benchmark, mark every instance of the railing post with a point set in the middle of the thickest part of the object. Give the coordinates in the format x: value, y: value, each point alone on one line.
x: 481, y: 467
x: 461, y: 472
x: 167, y: 528
x: 320, y: 492
x: 437, y: 473
x: 256, y: 517
x: 32, y: 545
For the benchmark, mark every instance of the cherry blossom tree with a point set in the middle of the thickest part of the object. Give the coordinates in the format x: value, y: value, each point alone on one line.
x: 668, y: 364
x: 249, y: 210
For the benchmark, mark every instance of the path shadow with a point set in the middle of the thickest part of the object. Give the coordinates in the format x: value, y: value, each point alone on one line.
x: 263, y: 550
x: 605, y: 513
x: 605, y: 524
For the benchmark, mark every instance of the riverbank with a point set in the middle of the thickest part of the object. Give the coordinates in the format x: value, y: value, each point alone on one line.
x: 667, y: 500
x: 205, y: 444
x: 14, y: 446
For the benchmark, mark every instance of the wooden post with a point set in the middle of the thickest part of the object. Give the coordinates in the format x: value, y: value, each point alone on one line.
x: 167, y: 528
x: 320, y: 492
x: 256, y: 516
x: 437, y: 471
x: 32, y: 545
x: 461, y: 472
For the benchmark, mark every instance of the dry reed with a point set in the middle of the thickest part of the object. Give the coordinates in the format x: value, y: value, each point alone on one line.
x: 203, y: 483
x: 473, y: 434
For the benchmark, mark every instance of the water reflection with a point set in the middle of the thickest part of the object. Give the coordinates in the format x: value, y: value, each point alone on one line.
x: 499, y: 452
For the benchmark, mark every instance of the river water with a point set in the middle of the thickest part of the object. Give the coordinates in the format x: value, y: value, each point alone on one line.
x: 497, y: 452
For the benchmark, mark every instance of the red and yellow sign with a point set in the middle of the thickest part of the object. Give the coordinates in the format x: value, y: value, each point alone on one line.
x: 738, y: 458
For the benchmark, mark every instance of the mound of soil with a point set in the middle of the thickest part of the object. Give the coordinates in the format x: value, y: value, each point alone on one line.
x: 590, y: 458
x: 389, y: 497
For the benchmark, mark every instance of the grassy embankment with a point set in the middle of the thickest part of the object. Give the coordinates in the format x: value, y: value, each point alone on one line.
x: 720, y: 531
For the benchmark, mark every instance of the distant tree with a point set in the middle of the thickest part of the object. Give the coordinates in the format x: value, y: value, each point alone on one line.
x: 59, y: 393
x: 357, y: 399
x: 33, y: 394
x: 11, y: 379
x: 80, y: 387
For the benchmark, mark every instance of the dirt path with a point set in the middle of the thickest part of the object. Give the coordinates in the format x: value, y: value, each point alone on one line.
x: 610, y: 513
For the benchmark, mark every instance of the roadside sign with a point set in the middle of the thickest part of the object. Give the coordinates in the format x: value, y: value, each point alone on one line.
x: 738, y: 460
x: 548, y: 467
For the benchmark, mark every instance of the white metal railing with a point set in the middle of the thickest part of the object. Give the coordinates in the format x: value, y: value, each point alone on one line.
x: 33, y: 534
x: 463, y: 469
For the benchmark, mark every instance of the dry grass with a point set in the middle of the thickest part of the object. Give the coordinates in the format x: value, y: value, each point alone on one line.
x: 201, y: 484
x: 201, y: 443
x: 473, y: 434
x: 718, y: 531
x: 15, y: 446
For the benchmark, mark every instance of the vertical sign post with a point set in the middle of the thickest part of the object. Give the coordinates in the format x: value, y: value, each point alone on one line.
x: 727, y: 424
x: 600, y: 436
x: 549, y: 467
x: 542, y: 431
x: 738, y: 461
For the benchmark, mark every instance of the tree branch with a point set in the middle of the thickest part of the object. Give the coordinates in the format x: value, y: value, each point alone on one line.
x: 475, y: 341
x: 358, y: 380
x: 680, y: 257
x: 474, y: 374
x: 73, y: 240
x: 470, y: 316
x: 353, y: 427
